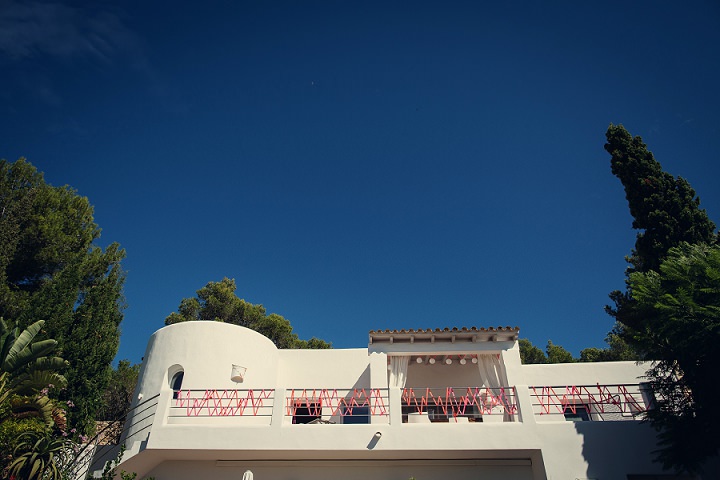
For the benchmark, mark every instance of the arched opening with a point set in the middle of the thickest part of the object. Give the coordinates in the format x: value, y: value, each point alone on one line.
x: 176, y: 383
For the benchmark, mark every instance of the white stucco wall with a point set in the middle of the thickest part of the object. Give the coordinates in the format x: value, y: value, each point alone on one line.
x: 206, y: 352
x: 189, y: 448
x: 322, y: 368
x: 583, y: 373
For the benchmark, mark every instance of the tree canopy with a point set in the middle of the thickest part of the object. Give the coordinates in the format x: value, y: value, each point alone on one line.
x: 617, y: 350
x: 664, y: 313
x: 529, y: 353
x: 117, y: 397
x: 218, y: 302
x: 51, y: 269
x: 681, y: 310
x: 664, y: 208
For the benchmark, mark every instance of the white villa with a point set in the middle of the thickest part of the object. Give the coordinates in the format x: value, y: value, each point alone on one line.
x: 216, y: 400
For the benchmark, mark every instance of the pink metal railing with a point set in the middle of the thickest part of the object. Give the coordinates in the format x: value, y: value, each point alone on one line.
x: 334, y: 402
x: 610, y: 402
x: 223, y: 403
x: 452, y: 402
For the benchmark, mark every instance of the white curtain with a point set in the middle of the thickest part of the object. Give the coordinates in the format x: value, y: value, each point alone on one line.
x: 493, y: 376
x: 492, y: 371
x: 398, y: 371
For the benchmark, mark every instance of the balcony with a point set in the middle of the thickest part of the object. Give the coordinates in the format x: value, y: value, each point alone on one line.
x: 459, y: 405
x: 620, y: 402
x: 335, y: 406
x: 418, y: 405
x: 249, y: 406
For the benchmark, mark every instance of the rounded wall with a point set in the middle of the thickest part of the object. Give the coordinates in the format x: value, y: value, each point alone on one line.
x: 205, y: 352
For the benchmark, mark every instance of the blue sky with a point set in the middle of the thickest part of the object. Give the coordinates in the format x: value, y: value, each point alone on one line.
x: 359, y: 166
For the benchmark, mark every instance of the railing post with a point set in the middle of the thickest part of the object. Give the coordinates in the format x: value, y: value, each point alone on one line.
x: 164, y: 402
x: 395, y: 401
x: 278, y: 411
x: 524, y: 403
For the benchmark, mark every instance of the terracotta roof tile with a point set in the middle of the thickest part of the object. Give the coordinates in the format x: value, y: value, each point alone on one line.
x: 447, y: 330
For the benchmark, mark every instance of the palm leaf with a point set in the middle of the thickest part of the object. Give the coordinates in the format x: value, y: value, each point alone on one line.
x: 12, y: 361
x: 7, y: 338
x: 41, y: 407
x: 30, y: 382
x: 47, y: 363
x: 18, y: 359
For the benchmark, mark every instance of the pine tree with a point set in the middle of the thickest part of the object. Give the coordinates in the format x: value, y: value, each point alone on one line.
x: 218, y: 302
x: 51, y: 270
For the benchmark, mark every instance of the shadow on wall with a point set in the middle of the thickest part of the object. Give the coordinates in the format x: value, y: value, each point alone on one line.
x: 621, y: 450
x: 353, y: 405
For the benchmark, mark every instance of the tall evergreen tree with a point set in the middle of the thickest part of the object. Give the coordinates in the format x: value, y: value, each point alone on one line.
x: 664, y: 208
x: 667, y: 212
x: 50, y: 269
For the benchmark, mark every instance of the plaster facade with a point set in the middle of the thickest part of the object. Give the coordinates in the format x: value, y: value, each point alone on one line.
x: 428, y: 404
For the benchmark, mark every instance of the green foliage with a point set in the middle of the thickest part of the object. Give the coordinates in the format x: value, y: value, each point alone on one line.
x: 41, y: 456
x: 218, y: 302
x: 529, y: 353
x: 557, y: 354
x: 10, y: 430
x: 50, y: 269
x: 110, y: 470
x: 665, y: 209
x: 662, y: 315
x: 314, y: 343
x: 618, y: 350
x: 29, y: 418
x: 118, y: 395
x: 681, y: 308
x: 25, y: 369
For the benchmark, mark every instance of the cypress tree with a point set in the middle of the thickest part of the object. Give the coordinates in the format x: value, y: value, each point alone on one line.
x: 672, y: 229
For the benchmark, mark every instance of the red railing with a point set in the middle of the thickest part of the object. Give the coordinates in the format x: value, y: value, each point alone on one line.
x: 606, y: 402
x: 453, y: 402
x: 306, y: 405
x: 223, y: 403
